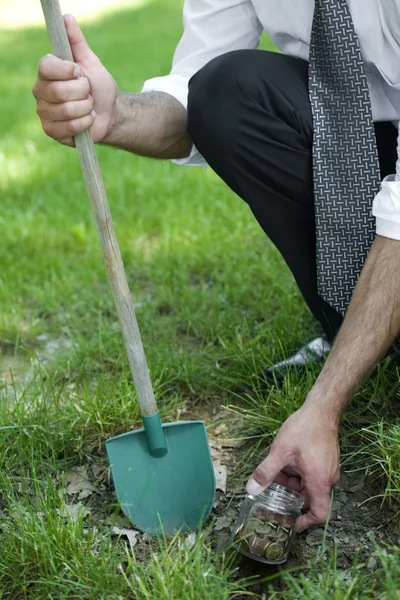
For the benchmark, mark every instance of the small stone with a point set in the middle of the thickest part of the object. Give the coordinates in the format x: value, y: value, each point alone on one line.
x: 43, y: 337
x: 372, y: 563
x: 232, y: 443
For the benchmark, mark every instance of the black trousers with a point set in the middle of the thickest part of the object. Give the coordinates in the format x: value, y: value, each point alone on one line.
x: 249, y: 115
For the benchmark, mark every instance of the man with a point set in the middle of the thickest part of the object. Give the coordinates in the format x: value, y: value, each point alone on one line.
x: 305, y: 145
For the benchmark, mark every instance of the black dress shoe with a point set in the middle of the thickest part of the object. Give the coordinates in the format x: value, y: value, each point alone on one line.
x: 312, y: 353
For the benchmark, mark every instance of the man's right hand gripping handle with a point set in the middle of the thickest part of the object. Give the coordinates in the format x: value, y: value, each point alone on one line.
x: 73, y: 96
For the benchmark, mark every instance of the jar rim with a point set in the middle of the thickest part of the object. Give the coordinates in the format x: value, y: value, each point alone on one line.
x: 283, y: 489
x: 280, y: 497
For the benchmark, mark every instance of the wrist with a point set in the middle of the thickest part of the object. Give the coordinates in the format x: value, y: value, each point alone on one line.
x: 327, y: 408
x: 116, y: 120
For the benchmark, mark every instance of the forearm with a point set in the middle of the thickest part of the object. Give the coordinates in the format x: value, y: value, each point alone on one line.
x: 151, y: 124
x: 371, y: 325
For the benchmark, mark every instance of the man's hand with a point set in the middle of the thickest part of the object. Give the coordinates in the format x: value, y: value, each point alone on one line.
x: 304, y: 457
x: 73, y: 96
x: 305, y: 453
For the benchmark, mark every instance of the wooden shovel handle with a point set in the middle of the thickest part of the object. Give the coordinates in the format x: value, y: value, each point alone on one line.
x: 105, y: 229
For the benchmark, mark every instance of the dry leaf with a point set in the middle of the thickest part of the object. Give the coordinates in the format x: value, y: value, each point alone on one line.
x: 131, y: 534
x: 221, y: 473
x: 73, y: 511
x: 188, y: 543
x: 78, y: 483
x: 23, y: 488
x: 99, y: 471
x: 223, y: 523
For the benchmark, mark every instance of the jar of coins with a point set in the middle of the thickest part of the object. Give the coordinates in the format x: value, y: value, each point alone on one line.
x: 265, y: 529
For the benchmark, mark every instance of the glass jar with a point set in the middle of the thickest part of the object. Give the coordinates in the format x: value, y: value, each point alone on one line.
x: 265, y: 529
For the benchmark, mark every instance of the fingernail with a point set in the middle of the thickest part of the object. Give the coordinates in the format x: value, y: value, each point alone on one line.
x: 94, y: 114
x: 77, y: 72
x: 253, y: 487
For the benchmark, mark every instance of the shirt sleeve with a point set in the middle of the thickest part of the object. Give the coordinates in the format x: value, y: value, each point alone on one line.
x: 386, y: 206
x: 211, y: 28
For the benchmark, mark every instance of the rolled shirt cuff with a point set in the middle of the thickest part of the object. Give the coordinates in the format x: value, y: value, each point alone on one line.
x: 386, y: 208
x: 178, y: 87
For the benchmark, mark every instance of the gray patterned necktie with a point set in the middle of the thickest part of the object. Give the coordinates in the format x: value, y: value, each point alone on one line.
x: 345, y: 158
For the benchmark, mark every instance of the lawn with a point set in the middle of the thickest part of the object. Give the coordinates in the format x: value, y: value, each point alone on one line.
x: 215, y: 303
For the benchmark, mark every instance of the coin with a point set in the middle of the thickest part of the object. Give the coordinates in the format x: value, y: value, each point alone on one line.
x: 282, y: 534
x: 256, y: 545
x: 254, y: 523
x: 274, y: 551
x: 267, y: 528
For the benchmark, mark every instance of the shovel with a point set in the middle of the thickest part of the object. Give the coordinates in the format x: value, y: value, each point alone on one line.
x: 163, y: 473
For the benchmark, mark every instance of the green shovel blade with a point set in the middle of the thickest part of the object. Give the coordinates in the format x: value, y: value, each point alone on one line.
x: 170, y: 493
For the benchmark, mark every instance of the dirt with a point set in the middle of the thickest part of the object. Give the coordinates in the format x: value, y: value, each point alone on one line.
x: 18, y: 365
x: 359, y: 517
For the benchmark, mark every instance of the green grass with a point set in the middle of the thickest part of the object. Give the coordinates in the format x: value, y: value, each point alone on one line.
x: 50, y: 554
x: 215, y: 304
x: 379, y: 456
x: 325, y: 581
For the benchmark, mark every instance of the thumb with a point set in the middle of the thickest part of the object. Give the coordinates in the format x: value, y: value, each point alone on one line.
x: 79, y: 46
x: 265, y: 473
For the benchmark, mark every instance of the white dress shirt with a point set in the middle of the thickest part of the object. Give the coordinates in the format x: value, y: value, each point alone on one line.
x: 213, y: 27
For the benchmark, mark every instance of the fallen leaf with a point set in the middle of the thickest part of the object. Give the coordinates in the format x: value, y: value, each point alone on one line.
x: 217, y: 502
x: 221, y: 473
x: 188, y: 543
x: 190, y: 540
x: 226, y: 520
x: 223, y: 414
x: 131, y: 534
x: 73, y: 511
x: 221, y: 428
x: 23, y: 488
x: 214, y: 443
x: 78, y: 483
x: 99, y: 471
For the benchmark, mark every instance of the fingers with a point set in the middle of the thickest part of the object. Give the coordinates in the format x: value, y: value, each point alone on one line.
x: 266, y: 472
x: 66, y: 110
x: 52, y: 68
x: 62, y: 91
x: 63, y: 130
x: 320, y: 507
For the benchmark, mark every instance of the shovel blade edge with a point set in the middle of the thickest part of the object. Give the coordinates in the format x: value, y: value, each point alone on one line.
x: 167, y: 494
